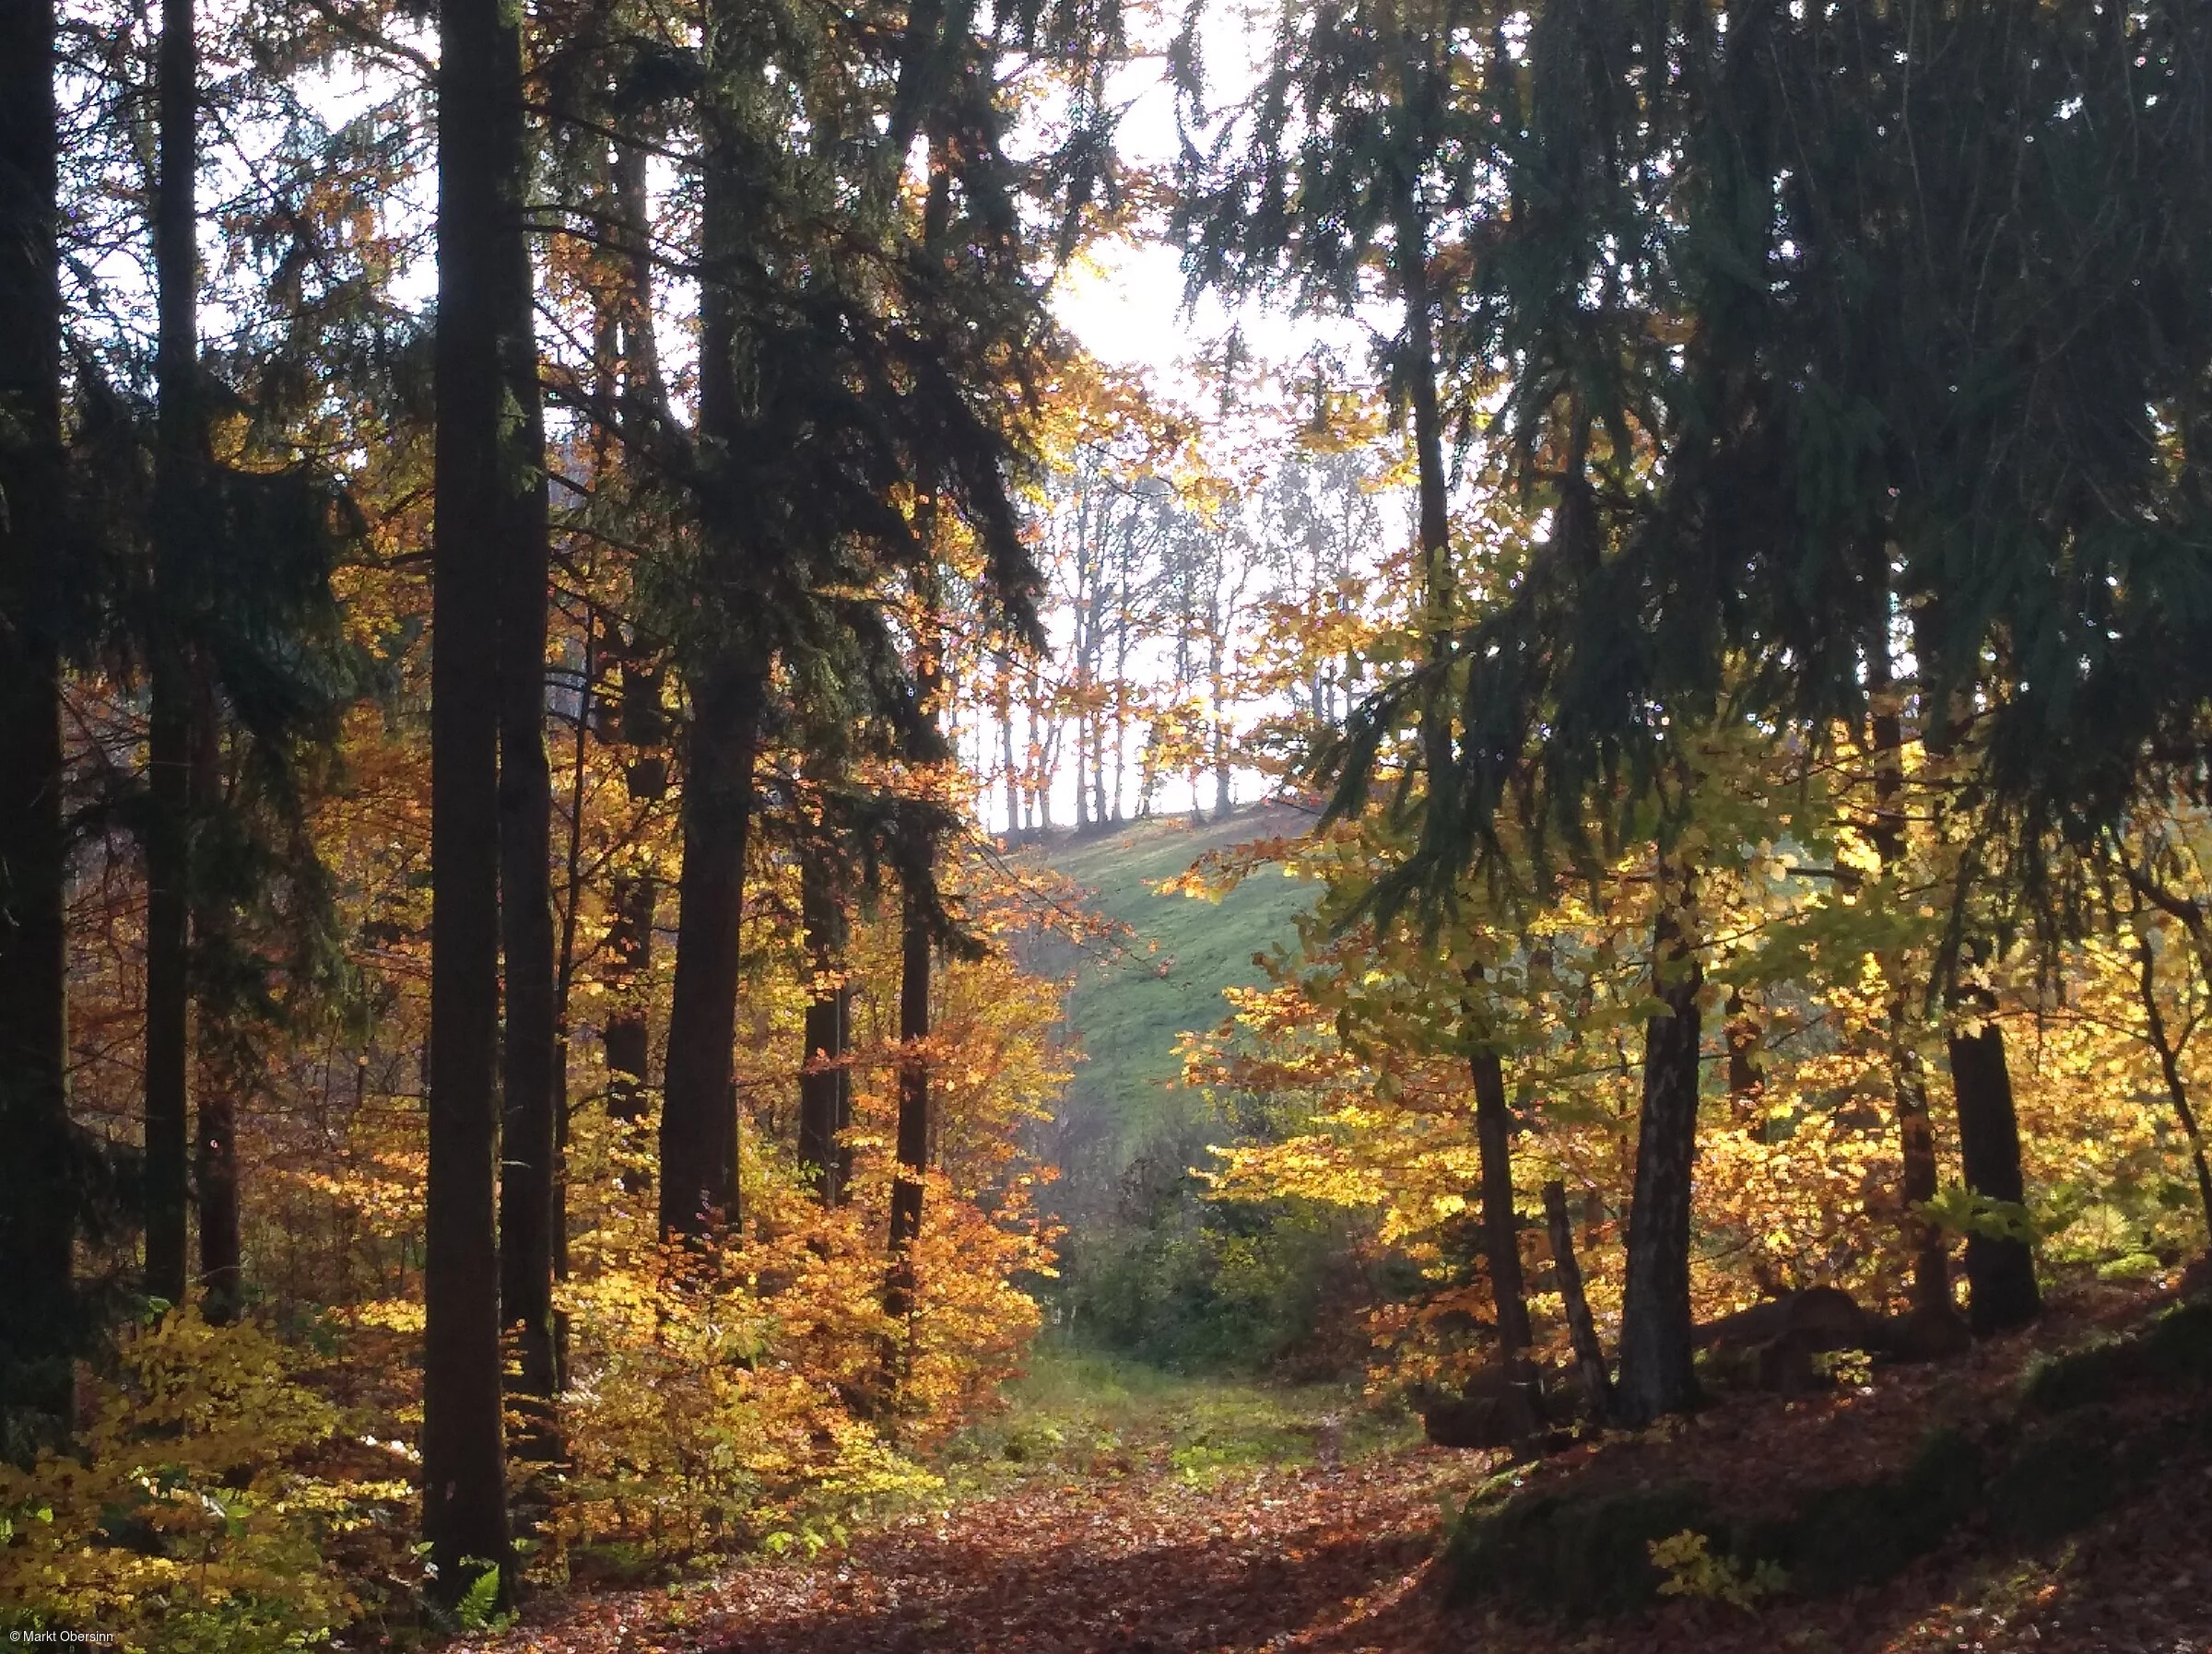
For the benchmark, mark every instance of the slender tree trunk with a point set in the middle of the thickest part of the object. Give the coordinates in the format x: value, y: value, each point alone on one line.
x: 916, y: 947
x: 479, y: 466
x: 222, y: 1067
x: 1745, y: 1079
x: 2169, y: 1067
x: 2000, y: 1271
x: 644, y: 721
x: 1582, y: 1330
x: 825, y: 1083
x: 169, y: 743
x: 626, y: 1035
x: 39, y: 1180
x: 1501, y: 1223
x: 1657, y: 1375
x: 698, y: 1120
x: 531, y: 1084
x: 1908, y: 1076
x: 914, y: 960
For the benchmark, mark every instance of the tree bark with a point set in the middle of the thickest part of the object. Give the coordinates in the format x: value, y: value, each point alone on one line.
x: 2000, y: 1271
x: 222, y: 1074
x: 1908, y: 1077
x: 1501, y: 1223
x: 531, y: 1080
x: 1746, y: 1078
x: 627, y: 1036
x: 478, y: 469
x: 914, y: 960
x: 168, y: 742
x: 825, y: 1082
x: 2170, y: 1068
x: 39, y: 1183
x: 1582, y: 1332
x: 698, y: 1122
x: 1657, y: 1374
x: 643, y: 718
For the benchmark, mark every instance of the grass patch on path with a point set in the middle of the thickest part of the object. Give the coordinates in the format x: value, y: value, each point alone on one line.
x: 1078, y: 1413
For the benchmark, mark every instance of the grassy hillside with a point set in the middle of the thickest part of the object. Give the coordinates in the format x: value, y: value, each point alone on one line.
x: 1166, y: 976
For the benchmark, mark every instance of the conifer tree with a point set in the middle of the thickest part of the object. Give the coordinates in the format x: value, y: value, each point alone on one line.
x: 484, y: 468
x: 39, y: 1175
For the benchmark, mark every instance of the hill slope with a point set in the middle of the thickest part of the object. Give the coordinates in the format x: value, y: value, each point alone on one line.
x: 1135, y: 997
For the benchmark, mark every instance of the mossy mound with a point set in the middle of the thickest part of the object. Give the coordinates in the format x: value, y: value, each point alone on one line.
x: 2175, y: 1349
x: 1863, y: 1533
x: 1570, y: 1552
x: 2058, y: 1477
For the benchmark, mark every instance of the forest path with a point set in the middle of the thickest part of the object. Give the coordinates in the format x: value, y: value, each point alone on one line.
x: 1331, y: 1558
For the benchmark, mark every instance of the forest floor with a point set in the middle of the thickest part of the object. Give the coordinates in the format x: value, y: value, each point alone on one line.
x: 1109, y: 1510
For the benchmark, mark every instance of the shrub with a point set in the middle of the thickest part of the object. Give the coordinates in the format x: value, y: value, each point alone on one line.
x: 179, y: 1523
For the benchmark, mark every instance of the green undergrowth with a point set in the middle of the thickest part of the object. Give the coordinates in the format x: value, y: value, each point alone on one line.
x: 1082, y: 1413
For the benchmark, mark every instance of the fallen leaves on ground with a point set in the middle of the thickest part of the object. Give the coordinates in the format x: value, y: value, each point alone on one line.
x: 1337, y: 1558
x: 1303, y: 1558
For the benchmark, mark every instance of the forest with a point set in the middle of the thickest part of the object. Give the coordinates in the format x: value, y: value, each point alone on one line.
x: 722, y: 931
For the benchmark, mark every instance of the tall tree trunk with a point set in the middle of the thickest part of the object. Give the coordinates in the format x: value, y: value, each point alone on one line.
x: 825, y: 1082
x: 699, y: 1123
x: 480, y: 466
x: 40, y: 1181
x: 914, y: 960
x: 642, y: 721
x: 1005, y: 749
x: 627, y: 1037
x: 698, y: 1119
x: 169, y: 743
x: 1409, y: 263
x: 1501, y: 1223
x: 222, y: 1065
x: 1657, y: 1375
x: 2170, y: 1066
x: 916, y: 943
x: 2000, y: 1270
x: 531, y: 1084
x: 1907, y: 1075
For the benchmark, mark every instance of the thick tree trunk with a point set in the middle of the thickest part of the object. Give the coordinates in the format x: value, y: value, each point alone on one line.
x: 914, y: 960
x: 1657, y: 1375
x: 479, y: 469
x: 698, y: 1119
x: 2000, y: 1271
x: 825, y: 1082
x: 1582, y: 1330
x: 699, y: 1122
x: 38, y: 1178
x: 531, y: 1082
x: 169, y: 756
